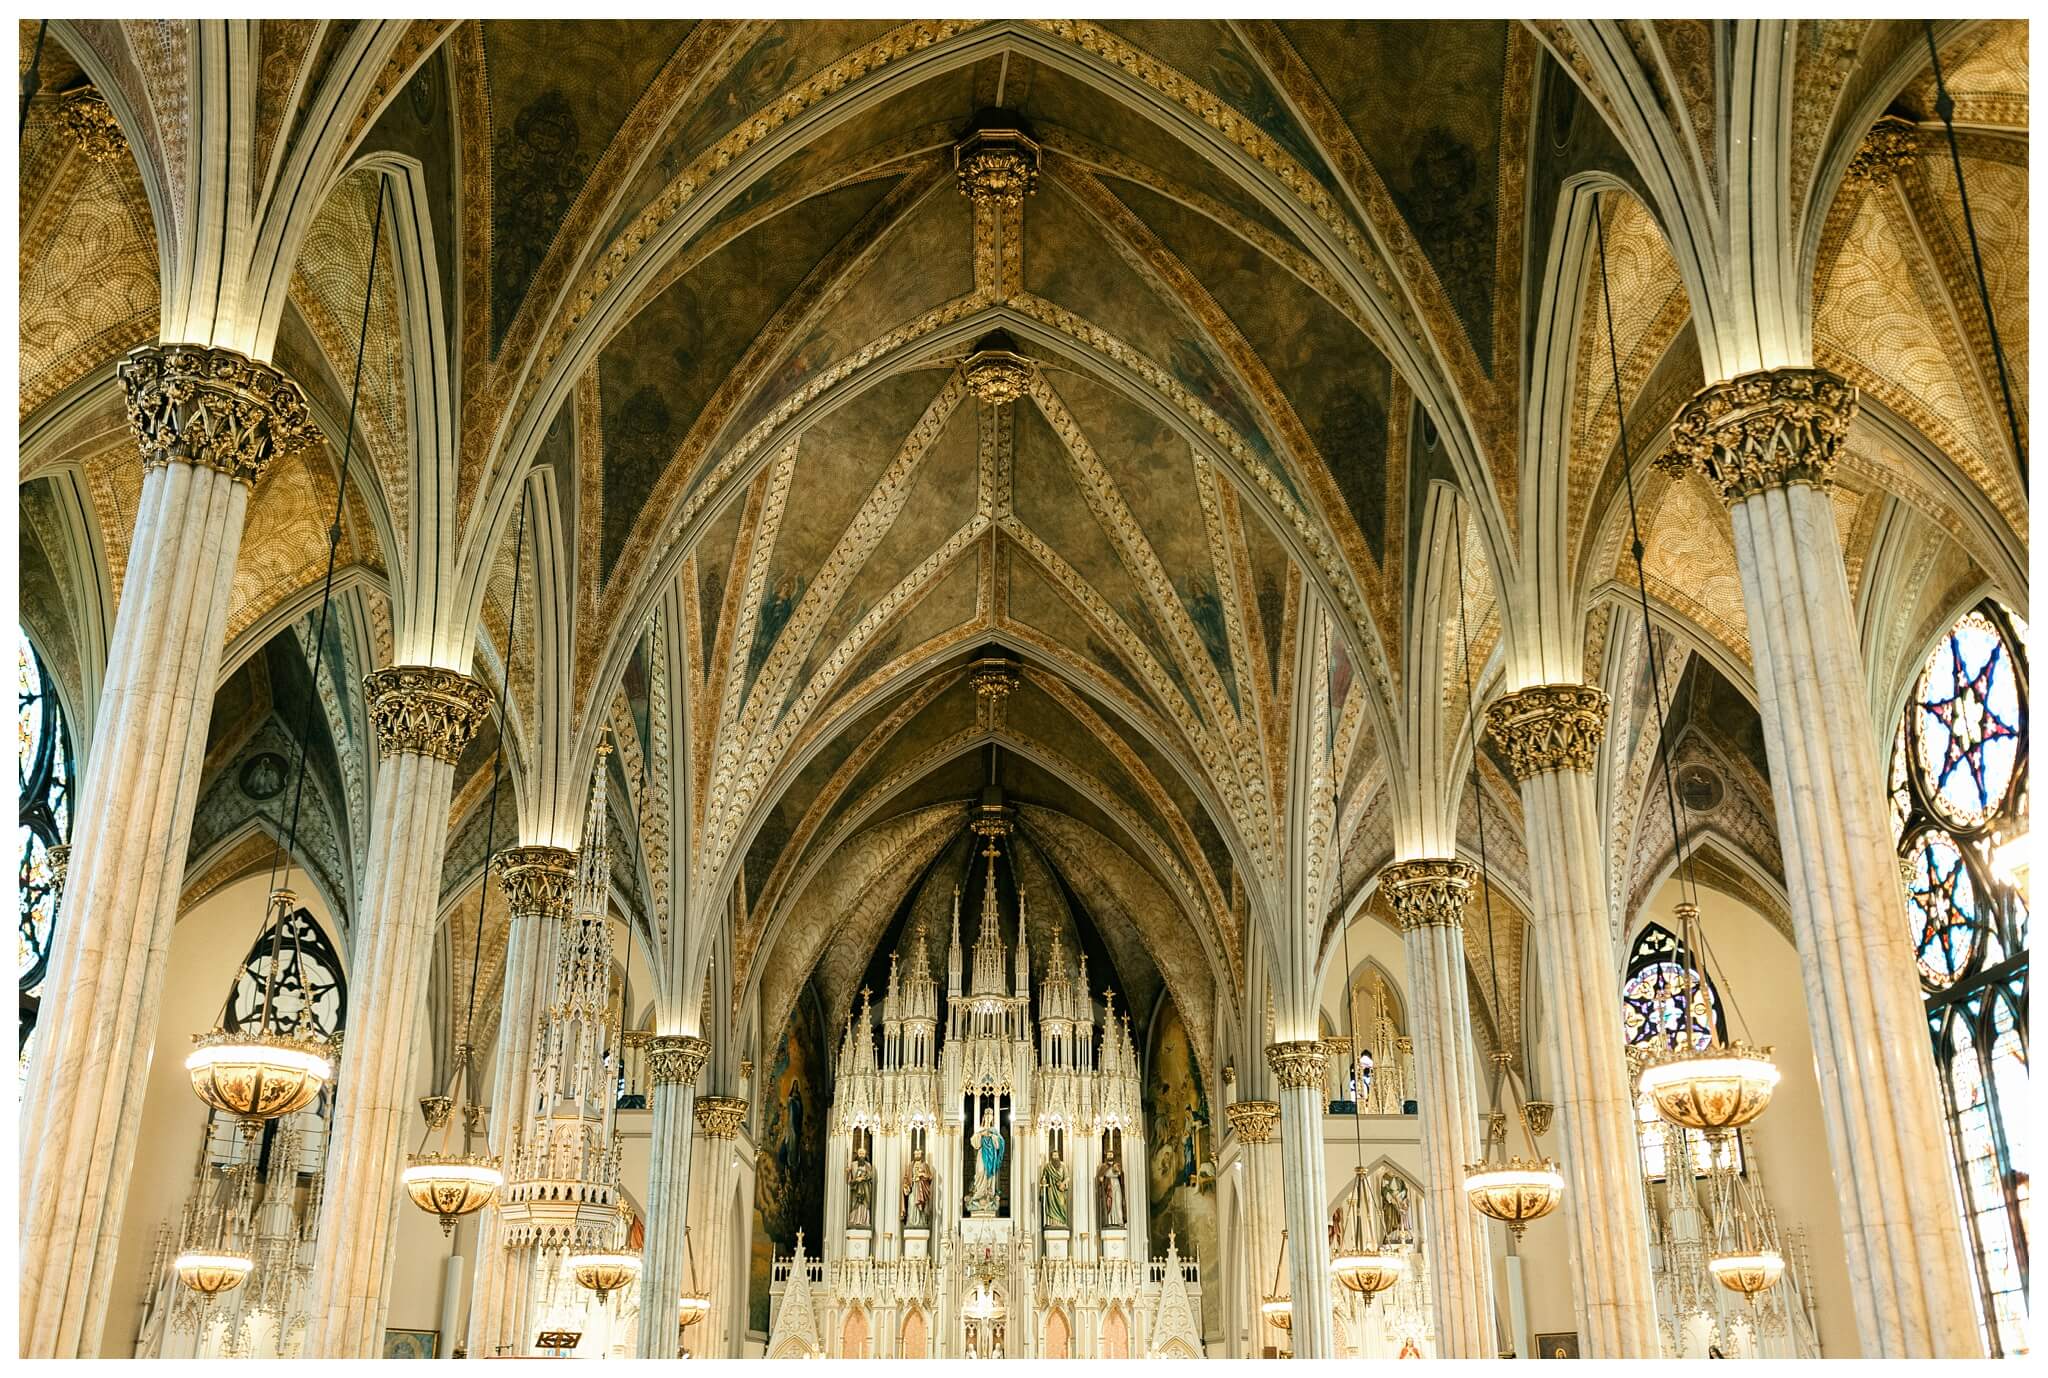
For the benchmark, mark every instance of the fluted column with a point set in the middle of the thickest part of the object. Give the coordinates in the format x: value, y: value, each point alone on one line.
x: 539, y: 887
x: 1253, y: 1121
x: 1428, y: 898
x: 1299, y: 1068
x: 673, y: 1064
x: 719, y: 1121
x: 1767, y: 442
x: 1551, y: 734
x: 425, y: 716
x: 209, y: 423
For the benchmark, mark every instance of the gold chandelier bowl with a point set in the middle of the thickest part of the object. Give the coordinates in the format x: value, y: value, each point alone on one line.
x: 1516, y: 1192
x: 1368, y: 1272
x: 258, y: 1076
x: 210, y: 1274
x: 693, y: 1307
x: 605, y: 1274
x: 1713, y: 1089
x: 1277, y: 1312
x: 452, y: 1185
x: 1748, y: 1273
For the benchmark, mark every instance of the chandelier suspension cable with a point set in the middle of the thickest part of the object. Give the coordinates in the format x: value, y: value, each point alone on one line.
x: 1688, y: 882
x: 289, y: 843
x: 1945, y: 106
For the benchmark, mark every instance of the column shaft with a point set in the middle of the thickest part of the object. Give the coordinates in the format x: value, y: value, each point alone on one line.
x: 1299, y: 1067
x: 673, y: 1065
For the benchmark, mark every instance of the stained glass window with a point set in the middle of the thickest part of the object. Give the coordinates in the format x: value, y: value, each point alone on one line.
x: 1654, y: 993
x: 1960, y: 818
x: 308, y: 978
x: 43, y: 772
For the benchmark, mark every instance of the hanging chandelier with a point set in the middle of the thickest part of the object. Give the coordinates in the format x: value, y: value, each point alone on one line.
x: 1747, y: 1274
x: 209, y: 1274
x: 1277, y: 1310
x: 1362, y: 1266
x: 605, y: 1273
x: 694, y: 1304
x: 1513, y: 1190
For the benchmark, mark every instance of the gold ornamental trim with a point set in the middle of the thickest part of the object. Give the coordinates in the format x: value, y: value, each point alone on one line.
x: 1428, y: 892
x: 1549, y: 727
x: 213, y: 408
x: 994, y: 681
x: 1253, y: 1120
x: 676, y: 1059
x: 997, y: 167
x: 1763, y: 430
x: 540, y: 882
x: 1889, y: 147
x: 1299, y: 1064
x: 425, y: 710
x: 996, y: 373
x: 720, y: 1117
x: 89, y: 121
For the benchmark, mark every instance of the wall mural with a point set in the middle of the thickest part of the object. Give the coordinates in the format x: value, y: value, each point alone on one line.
x: 789, y: 1166
x: 1182, y: 1167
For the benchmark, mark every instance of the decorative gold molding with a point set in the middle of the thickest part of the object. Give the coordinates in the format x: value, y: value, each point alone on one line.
x: 996, y: 373
x: 200, y: 405
x: 676, y: 1059
x: 1253, y: 1120
x: 1890, y: 146
x: 425, y: 710
x: 1549, y: 727
x: 1763, y: 430
x: 996, y: 166
x: 89, y: 120
x: 540, y: 882
x: 1300, y: 1064
x: 1428, y: 893
x: 720, y: 1117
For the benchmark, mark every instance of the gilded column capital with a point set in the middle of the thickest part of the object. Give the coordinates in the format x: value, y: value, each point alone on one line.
x: 1549, y: 727
x: 1253, y: 1120
x: 1298, y: 1064
x: 676, y: 1059
x: 540, y: 882
x: 1891, y: 145
x: 720, y: 1117
x: 90, y: 123
x: 1763, y: 430
x: 1428, y: 893
x: 425, y: 710
x: 200, y: 405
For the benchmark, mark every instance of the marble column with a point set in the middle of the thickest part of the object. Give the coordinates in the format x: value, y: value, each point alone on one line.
x: 1551, y: 734
x: 673, y: 1064
x: 719, y: 1121
x: 1768, y: 442
x: 425, y: 716
x: 209, y: 423
x: 1299, y: 1067
x: 1428, y: 898
x: 540, y: 885
x: 1253, y: 1121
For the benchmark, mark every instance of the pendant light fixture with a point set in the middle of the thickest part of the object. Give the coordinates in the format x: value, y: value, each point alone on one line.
x: 211, y: 1262
x: 1276, y: 1309
x: 1697, y: 1080
x: 448, y: 1181
x: 1512, y: 1190
x: 695, y: 1302
x: 278, y: 1068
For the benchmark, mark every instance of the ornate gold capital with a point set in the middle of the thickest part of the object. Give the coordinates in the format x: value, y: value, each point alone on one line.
x: 1254, y: 1120
x: 1298, y: 1064
x: 540, y: 882
x: 996, y: 167
x: 996, y: 372
x: 1428, y: 893
x: 676, y: 1059
x: 425, y: 710
x: 193, y: 404
x: 720, y: 1117
x: 89, y: 120
x: 1891, y: 144
x: 1763, y: 430
x: 1549, y: 727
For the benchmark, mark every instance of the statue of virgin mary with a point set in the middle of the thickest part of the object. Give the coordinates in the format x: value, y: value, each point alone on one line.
x: 989, y: 1147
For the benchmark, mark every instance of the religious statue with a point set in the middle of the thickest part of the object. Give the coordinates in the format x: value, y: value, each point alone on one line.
x: 1393, y: 1204
x: 919, y: 1186
x: 860, y: 1191
x: 1337, y: 1227
x: 1055, y: 1193
x: 989, y: 1147
x: 1109, y: 1190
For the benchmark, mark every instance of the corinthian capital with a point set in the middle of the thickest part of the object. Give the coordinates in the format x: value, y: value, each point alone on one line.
x: 214, y: 408
x: 676, y: 1059
x: 1428, y: 893
x: 1549, y: 727
x: 1254, y: 1120
x: 540, y: 882
x: 425, y: 710
x: 720, y: 1117
x: 1762, y: 431
x: 1298, y: 1064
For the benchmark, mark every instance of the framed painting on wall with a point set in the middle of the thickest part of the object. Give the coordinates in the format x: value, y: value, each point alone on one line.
x: 1562, y: 1344
x: 412, y: 1344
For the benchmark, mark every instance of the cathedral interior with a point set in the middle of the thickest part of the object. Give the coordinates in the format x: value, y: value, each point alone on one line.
x: 1023, y: 688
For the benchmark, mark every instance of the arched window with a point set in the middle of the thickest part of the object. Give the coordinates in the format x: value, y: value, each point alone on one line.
x: 44, y: 773
x: 1960, y: 818
x: 1654, y: 992
x: 308, y: 978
